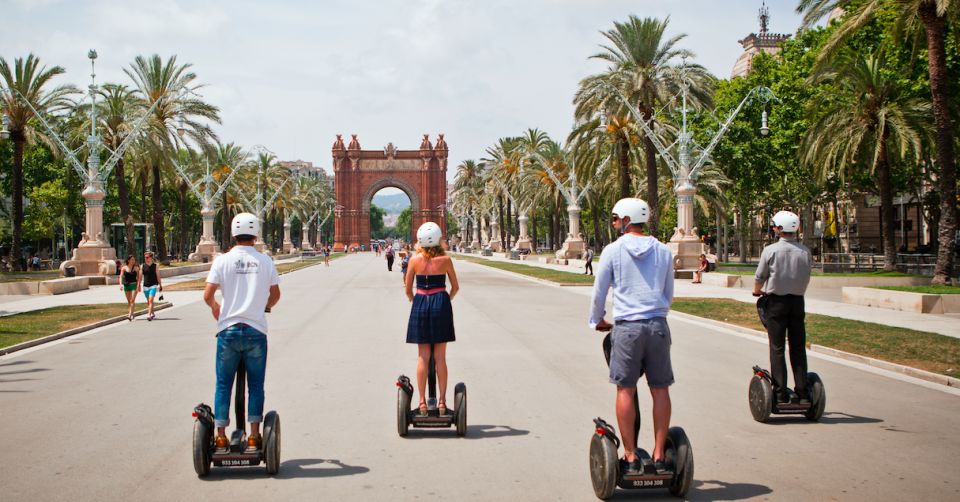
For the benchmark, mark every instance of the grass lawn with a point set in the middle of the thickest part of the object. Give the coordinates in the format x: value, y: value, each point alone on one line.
x: 930, y: 290
x: 44, y: 275
x: 282, y: 268
x: 540, y: 273
x: 20, y: 328
x: 919, y: 349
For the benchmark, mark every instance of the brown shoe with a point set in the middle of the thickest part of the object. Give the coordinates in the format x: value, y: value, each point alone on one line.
x: 222, y: 443
x: 253, y: 442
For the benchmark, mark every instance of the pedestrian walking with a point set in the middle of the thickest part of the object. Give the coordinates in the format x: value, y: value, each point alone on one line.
x: 251, y: 287
x: 404, y: 264
x: 588, y: 257
x: 431, y: 315
x: 130, y: 283
x: 389, y: 254
x: 150, y: 279
x: 326, y: 256
x: 782, y: 277
x: 640, y: 270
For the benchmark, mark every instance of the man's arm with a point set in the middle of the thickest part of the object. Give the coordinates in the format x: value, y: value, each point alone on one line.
x: 601, y: 285
x: 763, y: 273
x: 668, y: 280
x: 274, y: 297
x: 210, y: 299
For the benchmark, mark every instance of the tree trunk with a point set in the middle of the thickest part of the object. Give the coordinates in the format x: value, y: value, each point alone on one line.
x: 508, y: 226
x: 935, y: 27
x: 125, y: 214
x: 886, y: 207
x: 143, y: 196
x: 741, y: 234
x: 184, y: 244
x: 157, y: 200
x: 226, y: 219
x: 653, y: 197
x: 551, y: 240
x: 533, y: 228
x: 595, y: 217
x: 16, y: 254
x: 503, y: 238
x: 623, y: 157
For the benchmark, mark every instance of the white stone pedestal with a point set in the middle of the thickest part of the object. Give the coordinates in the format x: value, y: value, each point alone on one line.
x: 287, y: 243
x: 523, y: 242
x: 685, y: 245
x: 208, y: 247
x: 573, y: 247
x: 93, y: 255
x: 304, y: 241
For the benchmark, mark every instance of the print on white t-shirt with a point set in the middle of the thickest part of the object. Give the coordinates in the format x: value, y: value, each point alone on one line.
x: 244, y: 276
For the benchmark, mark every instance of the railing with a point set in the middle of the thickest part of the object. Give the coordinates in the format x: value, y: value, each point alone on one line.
x: 921, y: 264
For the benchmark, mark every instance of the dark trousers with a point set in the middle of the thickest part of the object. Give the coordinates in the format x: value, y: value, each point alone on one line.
x: 390, y: 263
x: 588, y: 268
x: 785, y: 316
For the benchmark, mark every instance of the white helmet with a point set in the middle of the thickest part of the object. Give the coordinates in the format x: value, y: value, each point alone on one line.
x: 428, y: 235
x: 789, y: 221
x: 245, y: 224
x: 636, y: 209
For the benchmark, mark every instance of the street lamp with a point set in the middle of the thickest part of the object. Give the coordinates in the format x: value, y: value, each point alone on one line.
x: 4, y: 132
x: 764, y: 128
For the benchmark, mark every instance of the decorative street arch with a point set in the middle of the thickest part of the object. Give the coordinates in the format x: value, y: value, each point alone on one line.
x: 359, y: 174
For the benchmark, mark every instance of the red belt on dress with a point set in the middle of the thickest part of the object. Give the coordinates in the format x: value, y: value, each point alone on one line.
x: 431, y: 291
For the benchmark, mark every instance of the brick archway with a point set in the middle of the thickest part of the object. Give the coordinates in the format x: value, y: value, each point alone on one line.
x: 359, y: 174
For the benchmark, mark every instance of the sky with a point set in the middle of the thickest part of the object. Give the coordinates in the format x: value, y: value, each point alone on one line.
x: 290, y: 75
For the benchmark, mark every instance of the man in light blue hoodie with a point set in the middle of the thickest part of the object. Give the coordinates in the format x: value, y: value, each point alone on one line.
x: 640, y: 269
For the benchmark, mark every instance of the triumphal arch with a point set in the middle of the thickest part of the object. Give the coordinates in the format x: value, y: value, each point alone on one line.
x: 359, y: 174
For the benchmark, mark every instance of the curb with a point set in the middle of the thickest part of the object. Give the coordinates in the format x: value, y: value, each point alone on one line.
x: 531, y: 278
x: 849, y: 356
x: 75, y: 331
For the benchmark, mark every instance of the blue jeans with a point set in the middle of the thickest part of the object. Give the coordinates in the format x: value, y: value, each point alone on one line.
x: 236, y: 343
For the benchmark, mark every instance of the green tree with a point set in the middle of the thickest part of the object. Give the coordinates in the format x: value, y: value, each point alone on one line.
x: 931, y: 18
x: 376, y: 219
x: 404, y: 224
x: 27, y: 84
x: 177, y: 112
x: 45, y: 210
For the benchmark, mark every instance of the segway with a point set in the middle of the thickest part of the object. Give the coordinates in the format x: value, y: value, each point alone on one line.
x: 236, y: 454
x: 407, y: 417
x: 605, y: 469
x: 760, y: 394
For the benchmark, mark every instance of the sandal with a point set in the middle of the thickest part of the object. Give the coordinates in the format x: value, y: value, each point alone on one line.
x: 442, y: 408
x: 423, y: 408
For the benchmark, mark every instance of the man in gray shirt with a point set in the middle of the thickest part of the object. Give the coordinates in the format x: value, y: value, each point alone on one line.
x: 785, y: 269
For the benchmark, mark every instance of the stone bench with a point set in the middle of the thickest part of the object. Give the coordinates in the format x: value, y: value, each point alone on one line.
x: 65, y: 285
x: 902, y: 300
x: 19, y: 288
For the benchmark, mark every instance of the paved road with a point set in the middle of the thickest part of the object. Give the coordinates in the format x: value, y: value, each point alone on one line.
x: 106, y: 416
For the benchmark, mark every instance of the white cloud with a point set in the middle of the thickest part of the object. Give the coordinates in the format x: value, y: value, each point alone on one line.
x: 292, y: 74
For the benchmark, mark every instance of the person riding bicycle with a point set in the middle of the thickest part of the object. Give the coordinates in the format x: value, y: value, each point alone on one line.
x: 784, y: 269
x: 250, y: 286
x: 640, y: 269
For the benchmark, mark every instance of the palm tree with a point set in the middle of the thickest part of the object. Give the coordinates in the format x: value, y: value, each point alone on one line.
x: 642, y: 69
x: 228, y: 158
x: 933, y: 16
x: 871, y: 121
x: 27, y: 84
x: 117, y: 110
x: 177, y: 112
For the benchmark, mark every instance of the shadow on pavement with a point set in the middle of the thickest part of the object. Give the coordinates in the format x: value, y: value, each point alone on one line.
x: 719, y: 490
x: 34, y: 370
x: 829, y: 418
x: 473, y: 432
x: 14, y: 363
x: 290, y: 469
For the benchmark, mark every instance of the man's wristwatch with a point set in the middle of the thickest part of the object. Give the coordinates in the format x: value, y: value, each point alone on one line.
x: 266, y: 309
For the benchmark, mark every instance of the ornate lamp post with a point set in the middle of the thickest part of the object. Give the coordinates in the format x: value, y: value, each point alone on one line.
x: 209, y: 201
x: 93, y: 255
x: 684, y: 243
x: 4, y: 124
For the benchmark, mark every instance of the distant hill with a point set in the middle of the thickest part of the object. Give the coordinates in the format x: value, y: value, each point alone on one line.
x: 393, y: 203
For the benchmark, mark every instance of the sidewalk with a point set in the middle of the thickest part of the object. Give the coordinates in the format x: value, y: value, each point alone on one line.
x: 17, y: 304
x: 818, y: 301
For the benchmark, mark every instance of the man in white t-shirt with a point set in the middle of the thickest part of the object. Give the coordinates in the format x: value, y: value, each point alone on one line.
x: 250, y: 286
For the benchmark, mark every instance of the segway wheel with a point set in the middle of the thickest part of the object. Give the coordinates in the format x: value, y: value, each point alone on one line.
x: 818, y: 397
x: 202, y: 442
x: 682, y: 461
x: 271, y: 442
x: 403, y: 412
x: 460, y: 402
x: 603, y: 466
x: 761, y: 398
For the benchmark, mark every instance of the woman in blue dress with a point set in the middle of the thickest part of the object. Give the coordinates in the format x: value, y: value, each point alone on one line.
x: 431, y: 316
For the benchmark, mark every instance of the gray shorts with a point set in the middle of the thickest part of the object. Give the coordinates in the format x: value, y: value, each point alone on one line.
x: 638, y: 348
